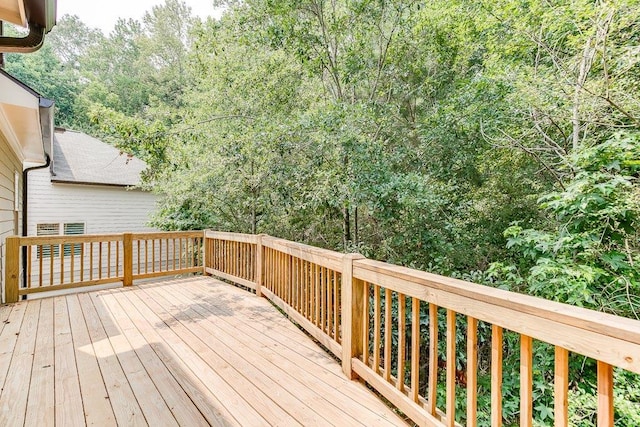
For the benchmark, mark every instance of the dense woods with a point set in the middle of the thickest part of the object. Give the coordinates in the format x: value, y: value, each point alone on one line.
x: 497, y: 141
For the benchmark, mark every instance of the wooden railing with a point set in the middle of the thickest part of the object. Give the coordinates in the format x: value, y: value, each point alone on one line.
x: 54, y: 263
x: 368, y: 313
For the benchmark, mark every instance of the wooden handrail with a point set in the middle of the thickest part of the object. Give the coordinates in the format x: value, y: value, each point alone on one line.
x: 344, y: 302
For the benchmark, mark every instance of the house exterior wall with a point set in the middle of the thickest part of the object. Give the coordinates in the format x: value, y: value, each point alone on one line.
x: 103, y: 209
x: 10, y: 219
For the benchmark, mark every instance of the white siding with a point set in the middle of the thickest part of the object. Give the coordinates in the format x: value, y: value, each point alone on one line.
x: 103, y: 209
x: 9, y: 165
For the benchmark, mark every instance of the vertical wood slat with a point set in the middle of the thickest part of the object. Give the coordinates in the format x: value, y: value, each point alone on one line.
x: 433, y: 358
x: 29, y: 273
x: 50, y: 265
x: 561, y: 387
x: 415, y: 348
x: 366, y: 307
x: 496, y: 376
x: 402, y: 340
x: 91, y: 261
x: 605, y: 395
x: 526, y: 381
x: 40, y: 265
x: 336, y: 308
x: 72, y: 251
x: 108, y: 259
x: 61, y: 254
x: 82, y: 262
x: 376, y: 329
x: 387, y: 334
x: 472, y: 372
x: 317, y: 294
x: 451, y: 369
x: 323, y: 304
x: 117, y: 259
x: 100, y: 260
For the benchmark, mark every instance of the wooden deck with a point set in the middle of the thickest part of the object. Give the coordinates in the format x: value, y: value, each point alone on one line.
x: 184, y: 352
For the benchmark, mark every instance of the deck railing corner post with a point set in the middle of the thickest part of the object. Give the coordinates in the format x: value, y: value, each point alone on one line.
x: 351, y: 316
x: 12, y: 269
x: 127, y: 245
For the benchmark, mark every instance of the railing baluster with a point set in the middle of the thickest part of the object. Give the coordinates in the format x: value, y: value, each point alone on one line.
x: 91, y: 261
x: 61, y: 253
x: 415, y: 349
x: 472, y: 371
x: 387, y: 334
x: 605, y: 395
x: 323, y: 292
x: 51, y: 252
x: 433, y: 358
x: 376, y: 329
x: 39, y: 265
x: 29, y: 248
x: 366, y: 307
x: 117, y: 259
x: 82, y: 262
x: 496, y: 376
x: 316, y: 287
x: 72, y: 252
x: 108, y: 259
x: 330, y: 313
x: 451, y: 368
x: 561, y: 386
x: 526, y: 381
x: 336, y: 310
x: 100, y: 260
x: 402, y: 336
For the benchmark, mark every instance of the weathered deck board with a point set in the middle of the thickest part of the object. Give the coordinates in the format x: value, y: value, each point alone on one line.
x: 189, y: 351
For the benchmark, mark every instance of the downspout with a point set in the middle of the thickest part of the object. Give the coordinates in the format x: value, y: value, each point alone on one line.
x: 46, y: 126
x: 25, y: 192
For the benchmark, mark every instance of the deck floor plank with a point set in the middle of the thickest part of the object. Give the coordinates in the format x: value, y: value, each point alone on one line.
x: 41, y: 402
x: 97, y: 408
x: 247, y: 391
x: 191, y: 351
x: 182, y: 407
x: 299, y: 401
x: 208, y: 404
x: 13, y: 402
x: 123, y: 401
x: 329, y: 386
x: 9, y: 337
x: 152, y: 404
x: 69, y: 409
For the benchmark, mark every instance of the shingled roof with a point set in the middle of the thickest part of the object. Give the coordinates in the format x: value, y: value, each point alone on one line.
x: 82, y: 159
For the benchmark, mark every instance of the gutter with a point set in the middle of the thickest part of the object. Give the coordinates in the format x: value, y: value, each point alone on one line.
x: 30, y: 43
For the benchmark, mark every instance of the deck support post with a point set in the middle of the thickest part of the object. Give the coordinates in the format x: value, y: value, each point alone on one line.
x: 259, y: 273
x: 352, y: 316
x: 127, y: 243
x: 12, y: 269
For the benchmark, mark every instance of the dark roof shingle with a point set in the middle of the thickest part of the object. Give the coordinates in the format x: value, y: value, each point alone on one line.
x: 80, y: 158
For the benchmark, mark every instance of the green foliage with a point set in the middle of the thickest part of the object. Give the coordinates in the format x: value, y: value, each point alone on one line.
x: 590, y: 258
